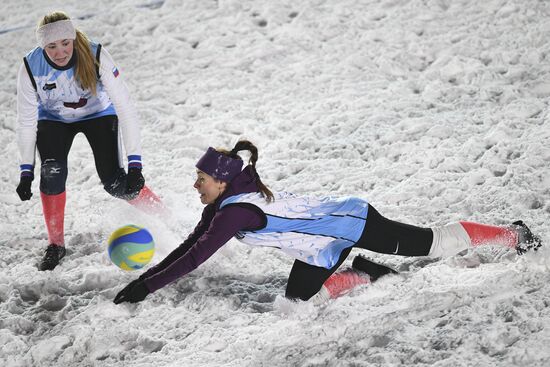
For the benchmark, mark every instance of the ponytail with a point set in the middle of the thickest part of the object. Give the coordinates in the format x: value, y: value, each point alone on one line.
x: 86, y: 64
x: 247, y: 145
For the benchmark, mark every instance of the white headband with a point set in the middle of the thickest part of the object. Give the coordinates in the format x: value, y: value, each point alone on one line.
x: 51, y: 32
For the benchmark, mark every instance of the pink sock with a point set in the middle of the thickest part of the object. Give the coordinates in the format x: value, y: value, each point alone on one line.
x: 481, y: 234
x: 53, y: 207
x: 342, y: 282
x: 149, y: 202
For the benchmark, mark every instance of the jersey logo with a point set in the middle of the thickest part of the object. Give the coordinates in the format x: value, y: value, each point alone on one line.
x: 239, y: 235
x: 49, y: 86
x: 115, y: 72
x: 396, y: 248
x: 81, y: 103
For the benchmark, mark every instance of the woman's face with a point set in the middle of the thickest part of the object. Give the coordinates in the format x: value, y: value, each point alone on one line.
x: 60, y: 52
x: 208, y: 187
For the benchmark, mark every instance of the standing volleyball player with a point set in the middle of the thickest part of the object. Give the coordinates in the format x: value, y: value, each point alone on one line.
x: 69, y: 85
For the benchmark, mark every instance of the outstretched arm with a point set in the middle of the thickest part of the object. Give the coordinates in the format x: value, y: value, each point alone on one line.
x: 225, y: 224
x: 188, y: 256
x: 200, y: 229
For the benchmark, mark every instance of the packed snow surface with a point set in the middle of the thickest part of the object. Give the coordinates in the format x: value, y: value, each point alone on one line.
x: 433, y: 110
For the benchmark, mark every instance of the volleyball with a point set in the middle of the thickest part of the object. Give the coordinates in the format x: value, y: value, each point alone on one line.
x: 131, y: 247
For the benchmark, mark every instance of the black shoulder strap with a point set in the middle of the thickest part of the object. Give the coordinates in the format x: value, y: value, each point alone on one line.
x: 29, y: 72
x: 97, y: 56
x: 255, y: 209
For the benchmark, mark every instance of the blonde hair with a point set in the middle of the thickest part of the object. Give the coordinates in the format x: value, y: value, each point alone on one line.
x: 86, y: 64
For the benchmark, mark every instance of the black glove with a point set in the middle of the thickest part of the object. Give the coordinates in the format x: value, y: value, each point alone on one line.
x: 134, y: 292
x: 134, y: 181
x: 24, y: 188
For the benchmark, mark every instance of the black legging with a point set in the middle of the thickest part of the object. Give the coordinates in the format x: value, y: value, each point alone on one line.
x: 380, y: 235
x: 54, y: 141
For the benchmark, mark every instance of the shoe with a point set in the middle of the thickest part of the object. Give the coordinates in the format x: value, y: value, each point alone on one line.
x: 373, y: 269
x: 526, y: 239
x: 51, y: 258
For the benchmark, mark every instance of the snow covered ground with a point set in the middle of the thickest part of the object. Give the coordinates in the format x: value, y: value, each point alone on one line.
x: 433, y: 110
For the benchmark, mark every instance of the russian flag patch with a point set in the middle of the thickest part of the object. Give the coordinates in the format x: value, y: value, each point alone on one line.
x: 115, y: 71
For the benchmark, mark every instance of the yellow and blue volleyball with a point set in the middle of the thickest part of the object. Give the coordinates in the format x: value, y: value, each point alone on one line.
x: 131, y: 247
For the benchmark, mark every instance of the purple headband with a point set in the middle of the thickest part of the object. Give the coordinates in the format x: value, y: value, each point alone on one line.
x: 219, y: 165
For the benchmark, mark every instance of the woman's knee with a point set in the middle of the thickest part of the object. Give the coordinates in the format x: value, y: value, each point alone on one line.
x: 53, y: 176
x: 116, y: 185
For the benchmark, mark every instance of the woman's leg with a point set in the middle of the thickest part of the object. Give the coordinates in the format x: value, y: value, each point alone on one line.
x: 54, y: 140
x: 456, y: 237
x: 380, y: 235
x: 307, y: 282
x: 102, y: 134
x: 391, y: 237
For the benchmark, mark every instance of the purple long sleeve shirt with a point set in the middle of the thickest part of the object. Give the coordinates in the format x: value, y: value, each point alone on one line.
x: 216, y: 227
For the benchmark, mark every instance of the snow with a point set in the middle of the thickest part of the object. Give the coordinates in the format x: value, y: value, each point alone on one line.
x: 433, y: 110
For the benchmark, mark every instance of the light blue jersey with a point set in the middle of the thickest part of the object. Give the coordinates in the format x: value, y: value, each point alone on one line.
x: 60, y: 97
x: 312, y: 230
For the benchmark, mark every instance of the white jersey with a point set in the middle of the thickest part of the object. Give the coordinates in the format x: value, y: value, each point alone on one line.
x: 48, y: 92
x: 60, y: 96
x: 312, y: 230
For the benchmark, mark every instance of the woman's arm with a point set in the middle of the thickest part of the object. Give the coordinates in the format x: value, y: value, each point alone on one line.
x: 200, y: 229
x: 27, y: 116
x: 224, y: 225
x: 111, y: 78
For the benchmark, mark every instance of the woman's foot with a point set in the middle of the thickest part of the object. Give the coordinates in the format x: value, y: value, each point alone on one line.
x: 373, y: 269
x: 51, y: 258
x: 526, y: 239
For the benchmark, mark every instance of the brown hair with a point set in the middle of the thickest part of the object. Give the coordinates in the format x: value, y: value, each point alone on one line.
x: 86, y: 63
x: 246, y: 145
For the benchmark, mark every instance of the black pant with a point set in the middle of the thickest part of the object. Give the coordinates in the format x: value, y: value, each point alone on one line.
x: 54, y: 141
x: 380, y: 235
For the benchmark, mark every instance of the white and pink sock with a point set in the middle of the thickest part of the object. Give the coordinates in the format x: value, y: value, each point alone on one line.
x: 456, y: 237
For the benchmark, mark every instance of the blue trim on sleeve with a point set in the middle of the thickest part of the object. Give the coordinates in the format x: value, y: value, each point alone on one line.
x: 134, y: 161
x: 26, y: 167
x: 27, y: 170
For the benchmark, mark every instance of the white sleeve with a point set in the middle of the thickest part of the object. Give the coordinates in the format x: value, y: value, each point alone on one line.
x: 111, y: 78
x: 27, y: 116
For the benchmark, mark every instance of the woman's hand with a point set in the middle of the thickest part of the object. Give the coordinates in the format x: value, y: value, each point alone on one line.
x: 24, y: 188
x: 134, y: 292
x: 134, y: 181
